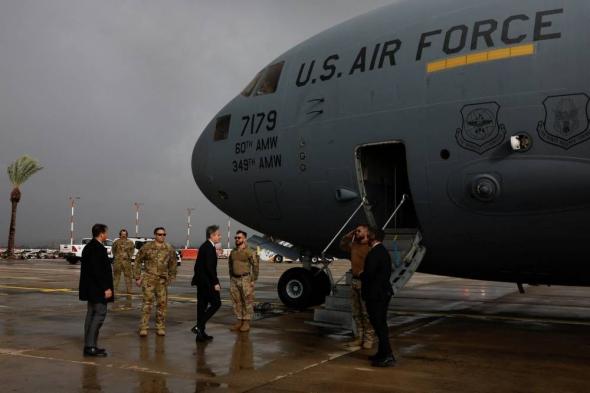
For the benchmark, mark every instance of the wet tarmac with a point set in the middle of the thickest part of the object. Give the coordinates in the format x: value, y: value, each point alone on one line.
x: 450, y: 335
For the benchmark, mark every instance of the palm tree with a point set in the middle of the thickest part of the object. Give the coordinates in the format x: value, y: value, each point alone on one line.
x: 18, y: 172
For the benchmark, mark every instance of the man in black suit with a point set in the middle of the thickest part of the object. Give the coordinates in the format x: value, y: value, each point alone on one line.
x: 96, y: 288
x: 205, y: 278
x: 377, y: 292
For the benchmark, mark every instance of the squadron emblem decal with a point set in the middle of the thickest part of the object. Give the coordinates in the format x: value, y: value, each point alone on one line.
x: 566, y: 121
x: 481, y: 131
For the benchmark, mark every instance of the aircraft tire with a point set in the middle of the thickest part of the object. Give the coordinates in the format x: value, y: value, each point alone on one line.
x: 72, y: 260
x: 278, y: 258
x: 321, y: 286
x: 296, y: 288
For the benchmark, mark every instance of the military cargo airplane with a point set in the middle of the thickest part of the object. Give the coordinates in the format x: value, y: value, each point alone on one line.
x: 477, y: 110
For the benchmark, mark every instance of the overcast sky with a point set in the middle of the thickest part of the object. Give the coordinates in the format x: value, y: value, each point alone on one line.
x: 112, y: 95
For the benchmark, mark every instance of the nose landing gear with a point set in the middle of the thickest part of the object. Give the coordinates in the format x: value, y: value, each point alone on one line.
x: 301, y: 288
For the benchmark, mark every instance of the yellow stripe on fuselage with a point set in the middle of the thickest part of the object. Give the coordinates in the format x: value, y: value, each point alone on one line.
x: 480, y: 57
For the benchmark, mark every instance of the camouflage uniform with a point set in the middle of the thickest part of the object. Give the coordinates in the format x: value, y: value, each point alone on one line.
x: 243, y: 271
x: 359, y: 313
x: 358, y: 252
x: 123, y: 251
x: 159, y: 269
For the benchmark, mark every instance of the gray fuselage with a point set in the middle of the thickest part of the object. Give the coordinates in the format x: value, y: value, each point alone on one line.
x: 451, y: 80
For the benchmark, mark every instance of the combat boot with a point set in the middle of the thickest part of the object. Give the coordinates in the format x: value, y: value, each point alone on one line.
x: 357, y: 342
x: 236, y: 327
x: 161, y: 332
x: 245, y: 326
x: 142, y: 333
x: 368, y: 344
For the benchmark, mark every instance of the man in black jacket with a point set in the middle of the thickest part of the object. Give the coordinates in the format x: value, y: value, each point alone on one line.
x: 205, y: 278
x: 377, y: 292
x: 96, y: 288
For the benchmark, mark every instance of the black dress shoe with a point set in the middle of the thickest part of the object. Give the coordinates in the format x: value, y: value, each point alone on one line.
x: 101, y: 350
x: 200, y: 339
x: 200, y: 335
x: 201, y: 332
x: 375, y: 357
x: 387, y: 361
x: 95, y: 352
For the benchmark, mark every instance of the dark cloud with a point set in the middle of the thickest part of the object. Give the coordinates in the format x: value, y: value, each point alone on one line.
x: 111, y: 96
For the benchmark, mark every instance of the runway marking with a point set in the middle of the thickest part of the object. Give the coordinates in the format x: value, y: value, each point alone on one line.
x: 21, y: 353
x: 120, y: 295
x: 48, y: 290
x: 8, y: 268
x: 24, y: 278
x: 15, y: 270
x: 305, y: 368
x: 69, y: 290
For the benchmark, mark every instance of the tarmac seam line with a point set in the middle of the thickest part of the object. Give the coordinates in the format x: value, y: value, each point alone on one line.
x: 21, y: 353
x: 295, y: 372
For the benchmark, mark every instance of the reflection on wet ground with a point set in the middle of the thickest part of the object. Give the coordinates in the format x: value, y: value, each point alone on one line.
x: 450, y: 335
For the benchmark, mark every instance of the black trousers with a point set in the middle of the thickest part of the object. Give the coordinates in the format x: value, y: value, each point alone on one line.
x: 377, y: 310
x: 208, y: 302
x: 95, y: 315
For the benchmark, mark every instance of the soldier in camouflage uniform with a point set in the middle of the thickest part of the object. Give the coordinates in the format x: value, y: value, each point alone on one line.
x: 159, y: 259
x: 123, y: 250
x: 243, y: 271
x: 356, y: 243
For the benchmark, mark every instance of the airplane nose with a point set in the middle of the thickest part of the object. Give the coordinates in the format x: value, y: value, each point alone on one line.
x: 200, y: 158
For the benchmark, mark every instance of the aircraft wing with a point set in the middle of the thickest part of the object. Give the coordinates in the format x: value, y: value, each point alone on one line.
x: 291, y: 252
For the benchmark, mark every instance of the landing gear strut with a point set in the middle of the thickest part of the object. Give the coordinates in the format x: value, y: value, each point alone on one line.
x: 301, y: 288
x: 306, y: 286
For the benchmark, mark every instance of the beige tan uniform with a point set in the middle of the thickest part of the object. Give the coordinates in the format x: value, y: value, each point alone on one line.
x: 159, y: 262
x: 123, y: 250
x: 358, y: 253
x: 243, y: 271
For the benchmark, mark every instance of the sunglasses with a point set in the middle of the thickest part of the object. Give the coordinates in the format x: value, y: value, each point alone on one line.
x: 160, y: 234
x: 238, y: 237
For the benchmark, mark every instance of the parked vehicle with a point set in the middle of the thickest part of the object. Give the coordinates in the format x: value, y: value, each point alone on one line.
x: 73, y: 253
x: 140, y: 241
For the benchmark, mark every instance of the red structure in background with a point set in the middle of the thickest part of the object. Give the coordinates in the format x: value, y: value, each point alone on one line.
x: 189, y: 254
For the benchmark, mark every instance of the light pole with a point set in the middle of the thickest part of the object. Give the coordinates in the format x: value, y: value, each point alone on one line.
x: 188, y: 226
x: 73, y: 200
x: 137, y: 206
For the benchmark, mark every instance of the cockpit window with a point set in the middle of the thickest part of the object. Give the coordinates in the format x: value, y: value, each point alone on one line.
x: 265, y: 82
x: 269, y: 82
x: 222, y: 128
x: 248, y: 89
